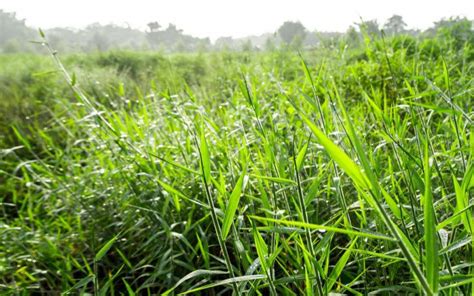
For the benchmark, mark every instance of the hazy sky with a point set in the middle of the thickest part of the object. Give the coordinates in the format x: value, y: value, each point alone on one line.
x: 213, y: 18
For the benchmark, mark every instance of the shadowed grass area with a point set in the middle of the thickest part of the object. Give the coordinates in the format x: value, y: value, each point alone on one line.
x: 328, y: 171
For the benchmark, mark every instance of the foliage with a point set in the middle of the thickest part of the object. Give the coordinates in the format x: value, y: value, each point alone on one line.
x: 14, y: 34
x: 458, y: 31
x: 395, y: 25
x: 371, y: 28
x: 292, y: 32
x: 344, y: 170
x: 172, y: 37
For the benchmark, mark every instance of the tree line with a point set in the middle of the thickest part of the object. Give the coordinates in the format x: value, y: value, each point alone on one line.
x: 15, y: 36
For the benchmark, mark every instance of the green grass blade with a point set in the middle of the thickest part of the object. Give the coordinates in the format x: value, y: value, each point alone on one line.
x: 430, y: 236
x: 103, y: 251
x: 234, y: 280
x: 339, y: 156
x: 363, y: 182
x: 461, y: 205
x: 196, y: 273
x: 339, y: 267
x: 129, y: 289
x: 301, y: 155
x: 233, y: 204
x: 205, y: 160
x: 324, y: 228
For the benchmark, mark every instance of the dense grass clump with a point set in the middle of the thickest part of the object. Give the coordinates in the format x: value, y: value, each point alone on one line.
x: 264, y: 173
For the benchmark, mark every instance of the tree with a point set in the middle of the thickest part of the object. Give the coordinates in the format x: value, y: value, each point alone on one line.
x: 292, y: 32
x: 247, y: 45
x: 173, y: 30
x: 371, y: 27
x: 456, y: 30
x: 100, y: 41
x: 98, y: 37
x: 172, y: 38
x: 154, y: 26
x: 14, y: 32
x: 225, y: 43
x: 395, y: 25
x: 353, y: 37
x: 203, y: 45
x: 270, y: 44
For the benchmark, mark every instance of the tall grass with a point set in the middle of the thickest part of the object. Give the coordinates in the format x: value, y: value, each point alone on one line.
x: 330, y: 171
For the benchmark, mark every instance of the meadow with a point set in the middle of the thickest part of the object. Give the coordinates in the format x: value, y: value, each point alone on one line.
x: 340, y: 170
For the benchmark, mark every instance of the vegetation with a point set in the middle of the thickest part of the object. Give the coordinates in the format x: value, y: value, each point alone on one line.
x: 343, y: 169
x: 292, y: 32
x: 16, y: 36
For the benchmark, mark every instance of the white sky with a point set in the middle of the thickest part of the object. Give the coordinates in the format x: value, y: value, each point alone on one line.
x: 213, y: 18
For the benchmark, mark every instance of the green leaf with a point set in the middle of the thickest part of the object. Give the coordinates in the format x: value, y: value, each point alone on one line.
x: 205, y: 160
x: 175, y: 193
x: 121, y: 90
x: 461, y: 204
x: 324, y: 228
x: 274, y: 179
x: 125, y: 260
x: 456, y: 245
x: 301, y: 155
x: 262, y: 248
x: 104, y: 289
x: 129, y: 289
x: 341, y: 263
x: 430, y: 236
x: 178, y: 193
x: 82, y: 283
x: 308, y: 283
x: 338, y: 155
x: 233, y: 204
x: 196, y: 273
x: 238, y: 279
x: 73, y: 79
x: 370, y: 184
x: 105, y: 249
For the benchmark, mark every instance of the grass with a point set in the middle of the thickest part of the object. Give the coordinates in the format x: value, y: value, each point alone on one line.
x: 342, y: 170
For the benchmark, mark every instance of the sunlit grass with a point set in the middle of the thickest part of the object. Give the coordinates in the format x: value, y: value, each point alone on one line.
x: 344, y: 171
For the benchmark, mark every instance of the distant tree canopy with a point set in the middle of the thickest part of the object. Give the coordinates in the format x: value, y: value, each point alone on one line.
x: 269, y: 44
x: 154, y: 26
x: 173, y: 38
x: 225, y: 43
x: 97, y: 37
x: 11, y: 27
x: 15, y: 36
x: 370, y: 27
x: 456, y: 30
x: 292, y: 32
x: 352, y: 37
x: 395, y: 25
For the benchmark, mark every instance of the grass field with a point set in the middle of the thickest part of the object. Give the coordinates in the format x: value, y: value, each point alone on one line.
x: 337, y: 170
